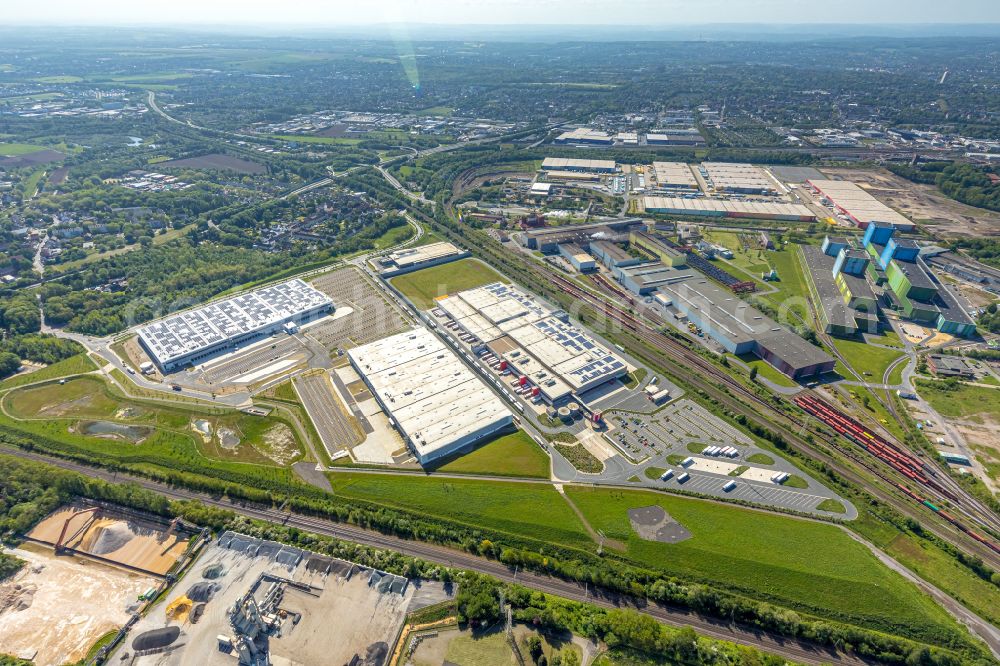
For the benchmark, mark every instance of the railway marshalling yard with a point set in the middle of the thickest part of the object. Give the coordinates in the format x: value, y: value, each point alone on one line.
x: 594, y: 475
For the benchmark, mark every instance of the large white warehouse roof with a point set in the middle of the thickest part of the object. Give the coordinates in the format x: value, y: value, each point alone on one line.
x: 191, y: 334
x: 437, y: 403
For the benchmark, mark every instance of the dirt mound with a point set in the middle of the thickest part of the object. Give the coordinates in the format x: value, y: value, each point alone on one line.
x: 213, y: 571
x: 17, y: 597
x: 157, y: 638
x: 196, y: 613
x: 376, y: 654
x: 201, y: 592
x: 106, y: 536
x: 179, y: 608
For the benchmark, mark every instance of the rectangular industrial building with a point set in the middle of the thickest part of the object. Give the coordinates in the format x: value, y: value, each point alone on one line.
x: 555, y: 356
x: 675, y: 138
x: 548, y: 239
x: 195, y: 335
x: 577, y: 258
x: 570, y: 164
x: 857, y: 204
x: 742, y: 329
x: 736, y: 177
x: 612, y: 255
x: 658, y: 247
x: 415, y: 258
x: 437, y: 404
x: 585, y: 135
x: 760, y: 210
x: 674, y: 175
x: 646, y: 278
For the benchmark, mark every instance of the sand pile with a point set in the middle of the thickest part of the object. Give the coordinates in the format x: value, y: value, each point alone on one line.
x: 179, y: 608
x: 106, y: 536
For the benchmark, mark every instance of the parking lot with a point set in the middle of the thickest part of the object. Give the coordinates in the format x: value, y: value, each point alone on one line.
x: 760, y: 493
x: 335, y: 427
x: 708, y: 456
x: 373, y: 317
x: 640, y: 436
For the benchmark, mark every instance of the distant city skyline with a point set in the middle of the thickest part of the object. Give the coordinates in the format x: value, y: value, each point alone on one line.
x: 645, y: 13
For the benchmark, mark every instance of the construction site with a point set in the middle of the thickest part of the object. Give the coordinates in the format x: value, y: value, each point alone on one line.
x: 119, y: 539
x: 90, y: 570
x: 253, y: 602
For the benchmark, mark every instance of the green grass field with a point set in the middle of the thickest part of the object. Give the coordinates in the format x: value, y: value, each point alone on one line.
x: 934, y: 566
x: 307, y: 138
x: 436, y: 111
x: 154, y: 77
x: 30, y: 184
x: 791, y: 281
x: 62, y: 411
x: 962, y: 401
x: 832, y: 505
x: 768, y: 371
x: 16, y: 149
x: 515, y: 454
x: 864, y: 357
x: 532, y: 510
x: 422, y: 287
x: 811, y: 566
x: 73, y: 365
x: 66, y: 78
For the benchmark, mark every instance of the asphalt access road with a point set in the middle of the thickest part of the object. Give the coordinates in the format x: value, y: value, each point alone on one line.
x: 788, y: 648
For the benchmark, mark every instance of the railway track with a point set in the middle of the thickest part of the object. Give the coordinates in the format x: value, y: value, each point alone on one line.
x: 674, y: 356
x: 674, y: 353
x: 789, y: 648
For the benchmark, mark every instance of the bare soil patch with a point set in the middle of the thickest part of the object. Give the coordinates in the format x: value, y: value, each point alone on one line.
x: 216, y: 161
x: 32, y: 159
x: 924, y: 204
x: 652, y: 523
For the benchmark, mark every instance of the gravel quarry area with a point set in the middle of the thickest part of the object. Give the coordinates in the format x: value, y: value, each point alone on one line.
x: 333, y: 612
x: 134, y: 543
x: 57, y: 607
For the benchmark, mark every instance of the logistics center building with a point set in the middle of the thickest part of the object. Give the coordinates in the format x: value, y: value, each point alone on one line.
x: 760, y: 210
x: 674, y: 175
x: 571, y: 164
x: 195, y: 335
x: 414, y: 258
x: 737, y: 177
x: 437, y: 404
x: 742, y: 329
x: 858, y: 205
x: 537, y: 343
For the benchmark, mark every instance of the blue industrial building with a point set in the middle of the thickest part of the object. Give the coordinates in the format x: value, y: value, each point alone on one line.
x: 850, y: 261
x: 895, y: 248
x: 879, y: 234
x: 833, y: 245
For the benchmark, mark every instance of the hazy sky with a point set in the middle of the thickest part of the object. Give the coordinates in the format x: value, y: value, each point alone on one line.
x: 317, y: 13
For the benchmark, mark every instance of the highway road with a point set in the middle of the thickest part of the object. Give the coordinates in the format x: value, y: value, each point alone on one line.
x: 792, y: 649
